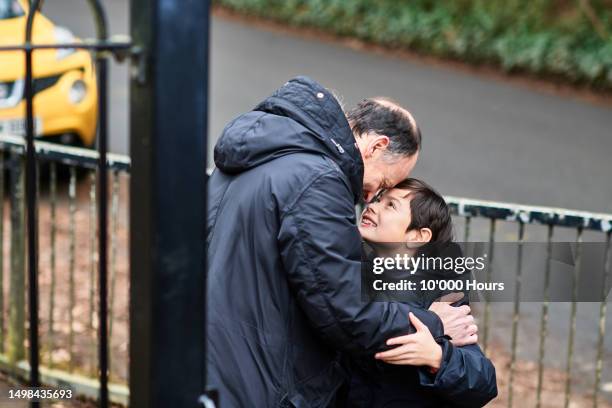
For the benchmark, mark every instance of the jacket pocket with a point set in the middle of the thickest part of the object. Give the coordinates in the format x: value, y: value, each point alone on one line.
x: 286, y: 403
x: 318, y: 391
x: 294, y: 401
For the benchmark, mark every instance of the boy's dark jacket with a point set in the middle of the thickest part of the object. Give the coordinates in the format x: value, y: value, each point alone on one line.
x: 466, y: 378
x: 284, y: 256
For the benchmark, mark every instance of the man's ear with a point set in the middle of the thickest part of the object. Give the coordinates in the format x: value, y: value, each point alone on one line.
x: 381, y: 143
x: 376, y: 144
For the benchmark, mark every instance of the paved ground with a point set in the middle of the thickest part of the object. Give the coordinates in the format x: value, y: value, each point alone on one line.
x: 4, y: 392
x: 483, y: 138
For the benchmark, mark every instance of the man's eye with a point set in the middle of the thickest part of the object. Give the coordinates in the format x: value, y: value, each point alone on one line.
x: 392, y: 204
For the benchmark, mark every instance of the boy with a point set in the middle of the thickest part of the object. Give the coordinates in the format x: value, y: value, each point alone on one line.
x: 419, y: 371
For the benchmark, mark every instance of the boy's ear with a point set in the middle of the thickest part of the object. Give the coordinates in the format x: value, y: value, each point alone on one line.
x: 418, y: 237
x: 425, y: 235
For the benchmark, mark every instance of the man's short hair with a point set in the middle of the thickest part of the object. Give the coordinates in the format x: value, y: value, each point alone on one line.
x: 428, y: 210
x: 386, y: 117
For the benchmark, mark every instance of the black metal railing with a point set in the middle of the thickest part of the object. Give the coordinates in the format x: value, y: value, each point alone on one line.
x: 166, y: 171
x: 546, y: 225
x: 67, y: 239
x: 102, y: 48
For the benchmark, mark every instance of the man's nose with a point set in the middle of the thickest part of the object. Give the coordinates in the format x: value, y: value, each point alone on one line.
x: 367, y: 196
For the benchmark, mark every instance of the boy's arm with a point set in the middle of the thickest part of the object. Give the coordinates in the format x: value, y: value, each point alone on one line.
x: 465, y: 378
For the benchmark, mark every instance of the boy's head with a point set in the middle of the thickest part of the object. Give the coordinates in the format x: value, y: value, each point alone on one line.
x: 411, y: 212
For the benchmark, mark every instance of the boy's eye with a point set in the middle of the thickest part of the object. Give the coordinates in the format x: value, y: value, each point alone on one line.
x: 392, y: 204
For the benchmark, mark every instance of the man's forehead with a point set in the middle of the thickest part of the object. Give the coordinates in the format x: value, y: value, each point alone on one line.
x: 399, y: 170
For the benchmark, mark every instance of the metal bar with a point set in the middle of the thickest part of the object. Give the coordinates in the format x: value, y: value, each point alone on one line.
x: 113, y: 259
x: 37, y: 238
x: 572, y: 333
x: 102, y: 233
x: 528, y: 214
x: 544, y: 318
x: 52, y: 261
x: 467, y: 226
x: 516, y: 314
x: 71, y: 156
x: 37, y: 217
x: 2, y: 173
x: 17, y: 287
x: 102, y: 71
x: 71, y: 262
x: 32, y: 223
x: 97, y: 46
x: 92, y: 262
x: 602, y: 322
x: 487, y: 303
x: 113, y: 238
x: 165, y: 292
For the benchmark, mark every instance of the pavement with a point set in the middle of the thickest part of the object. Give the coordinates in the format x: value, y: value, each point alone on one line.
x: 483, y: 138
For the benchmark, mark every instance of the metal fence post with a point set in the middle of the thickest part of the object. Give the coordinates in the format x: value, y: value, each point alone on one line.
x: 32, y: 206
x: 17, y: 289
x: 2, y: 172
x: 168, y: 122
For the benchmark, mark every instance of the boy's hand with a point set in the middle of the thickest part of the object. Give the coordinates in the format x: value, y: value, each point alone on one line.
x: 417, y: 349
x: 458, y: 322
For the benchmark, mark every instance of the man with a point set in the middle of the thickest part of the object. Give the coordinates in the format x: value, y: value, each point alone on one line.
x: 284, y: 294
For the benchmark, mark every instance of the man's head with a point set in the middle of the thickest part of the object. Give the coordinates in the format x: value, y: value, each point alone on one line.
x: 389, y: 141
x: 412, y: 213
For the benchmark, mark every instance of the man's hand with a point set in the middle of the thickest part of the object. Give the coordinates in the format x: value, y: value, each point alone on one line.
x: 458, y: 322
x: 417, y: 349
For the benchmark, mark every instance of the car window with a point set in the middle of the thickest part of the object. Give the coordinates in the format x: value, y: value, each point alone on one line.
x: 10, y: 9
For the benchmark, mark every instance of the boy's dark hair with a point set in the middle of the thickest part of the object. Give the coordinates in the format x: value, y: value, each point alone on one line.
x: 384, y: 116
x: 428, y: 210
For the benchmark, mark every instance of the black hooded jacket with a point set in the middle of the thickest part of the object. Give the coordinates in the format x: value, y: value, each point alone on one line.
x: 284, y: 253
x: 466, y: 377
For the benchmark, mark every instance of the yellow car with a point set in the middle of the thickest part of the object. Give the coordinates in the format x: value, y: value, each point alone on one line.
x: 65, y: 92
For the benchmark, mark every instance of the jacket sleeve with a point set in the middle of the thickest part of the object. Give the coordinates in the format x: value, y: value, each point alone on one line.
x: 320, y: 248
x: 466, y: 377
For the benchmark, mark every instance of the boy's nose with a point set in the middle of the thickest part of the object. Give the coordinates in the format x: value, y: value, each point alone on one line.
x: 371, y: 207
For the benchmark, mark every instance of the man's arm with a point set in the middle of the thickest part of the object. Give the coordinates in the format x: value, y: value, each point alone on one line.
x: 321, y: 251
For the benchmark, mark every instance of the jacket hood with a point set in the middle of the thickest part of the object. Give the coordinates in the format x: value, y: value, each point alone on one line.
x: 301, y: 116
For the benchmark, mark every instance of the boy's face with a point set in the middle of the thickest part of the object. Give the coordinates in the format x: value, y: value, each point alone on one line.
x: 387, y: 219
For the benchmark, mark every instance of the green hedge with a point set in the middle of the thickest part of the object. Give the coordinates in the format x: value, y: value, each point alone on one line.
x: 546, y: 37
